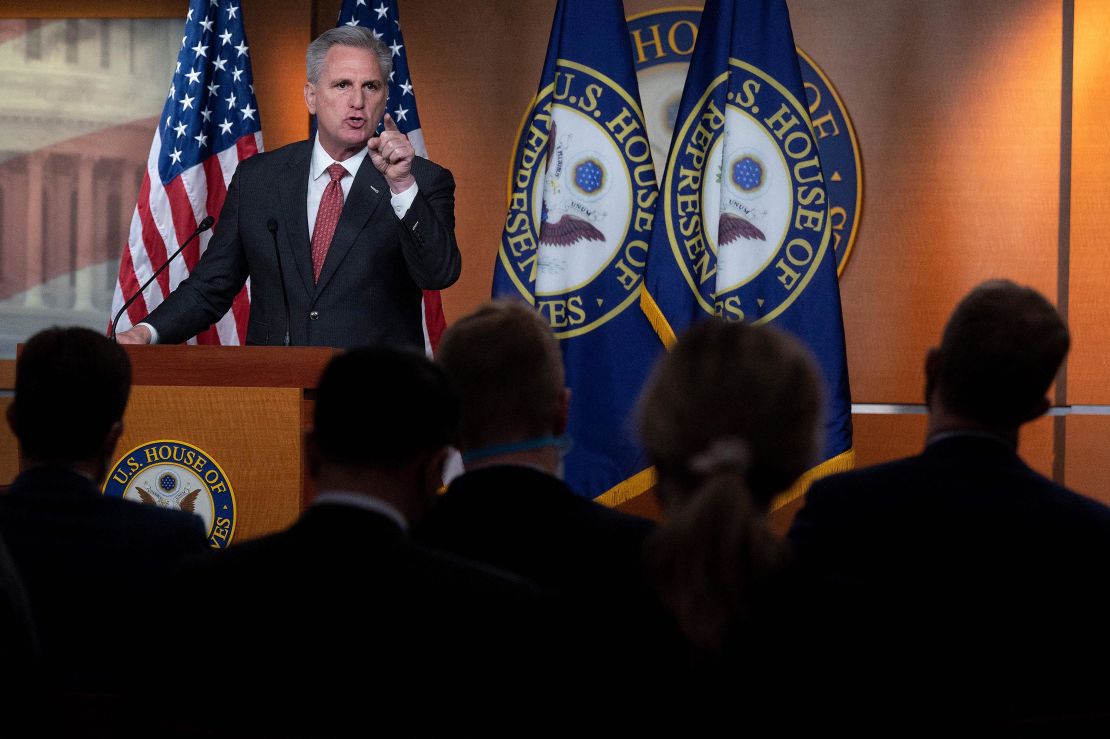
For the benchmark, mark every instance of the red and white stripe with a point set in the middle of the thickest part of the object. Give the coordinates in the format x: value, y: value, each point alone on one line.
x: 164, y: 217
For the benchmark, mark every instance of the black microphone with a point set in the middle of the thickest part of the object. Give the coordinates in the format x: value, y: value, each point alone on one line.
x: 272, y: 227
x: 204, y: 226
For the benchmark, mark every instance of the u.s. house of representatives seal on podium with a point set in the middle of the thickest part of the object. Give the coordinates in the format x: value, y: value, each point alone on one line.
x: 177, y: 475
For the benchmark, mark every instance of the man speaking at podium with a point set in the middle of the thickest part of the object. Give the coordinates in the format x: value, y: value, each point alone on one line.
x: 338, y: 234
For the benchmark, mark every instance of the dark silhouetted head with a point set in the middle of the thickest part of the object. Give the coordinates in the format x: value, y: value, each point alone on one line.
x: 382, y: 408
x: 998, y: 356
x: 71, y: 389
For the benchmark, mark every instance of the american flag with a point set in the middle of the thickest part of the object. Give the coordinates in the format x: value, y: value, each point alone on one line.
x: 209, y: 124
x: 385, y: 24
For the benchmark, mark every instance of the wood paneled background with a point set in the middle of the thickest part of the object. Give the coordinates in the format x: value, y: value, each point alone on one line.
x: 969, y: 158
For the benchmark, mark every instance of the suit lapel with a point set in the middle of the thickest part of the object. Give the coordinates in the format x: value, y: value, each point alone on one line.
x: 294, y: 196
x: 367, y: 193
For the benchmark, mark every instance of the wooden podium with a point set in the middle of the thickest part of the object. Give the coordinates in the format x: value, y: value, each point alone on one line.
x: 245, y: 407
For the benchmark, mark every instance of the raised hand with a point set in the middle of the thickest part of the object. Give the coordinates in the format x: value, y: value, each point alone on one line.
x: 392, y: 155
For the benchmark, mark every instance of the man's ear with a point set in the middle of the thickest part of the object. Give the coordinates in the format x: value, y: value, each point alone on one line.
x: 562, y: 412
x: 310, y: 97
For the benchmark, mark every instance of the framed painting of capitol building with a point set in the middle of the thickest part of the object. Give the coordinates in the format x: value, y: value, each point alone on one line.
x: 80, y: 102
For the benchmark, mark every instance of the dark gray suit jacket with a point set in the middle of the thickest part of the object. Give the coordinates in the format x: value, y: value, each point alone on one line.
x: 89, y: 563
x: 369, y: 291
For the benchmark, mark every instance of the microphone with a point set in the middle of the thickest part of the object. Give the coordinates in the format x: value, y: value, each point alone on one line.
x: 204, y: 226
x: 272, y: 227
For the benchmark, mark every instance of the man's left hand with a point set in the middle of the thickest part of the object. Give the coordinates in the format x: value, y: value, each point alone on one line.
x: 392, y: 155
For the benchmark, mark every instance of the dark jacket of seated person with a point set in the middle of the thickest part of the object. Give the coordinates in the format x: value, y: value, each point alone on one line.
x: 511, y: 510
x: 962, y: 561
x: 341, y: 621
x: 89, y: 563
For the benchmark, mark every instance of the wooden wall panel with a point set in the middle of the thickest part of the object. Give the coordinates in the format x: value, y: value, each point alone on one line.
x: 881, y: 438
x: 956, y: 106
x: 1089, y: 365
x: 1087, y: 468
x: 279, y: 31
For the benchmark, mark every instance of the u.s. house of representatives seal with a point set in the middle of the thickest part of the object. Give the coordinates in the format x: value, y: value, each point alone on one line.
x: 580, y: 202
x: 744, y: 182
x: 663, y: 42
x: 173, y: 474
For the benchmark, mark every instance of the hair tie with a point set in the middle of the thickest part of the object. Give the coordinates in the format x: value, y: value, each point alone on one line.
x: 723, y: 455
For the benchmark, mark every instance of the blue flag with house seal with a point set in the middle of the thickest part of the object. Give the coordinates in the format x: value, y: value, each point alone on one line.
x: 742, y: 230
x: 581, y: 212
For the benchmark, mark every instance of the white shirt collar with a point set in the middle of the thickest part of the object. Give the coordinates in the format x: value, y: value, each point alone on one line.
x: 321, y: 160
x: 363, y: 501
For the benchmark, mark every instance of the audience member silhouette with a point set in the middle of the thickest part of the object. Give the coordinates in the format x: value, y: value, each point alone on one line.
x: 21, y: 689
x: 955, y: 584
x: 976, y: 587
x: 730, y: 418
x: 88, y: 562
x: 342, y: 623
x: 511, y: 509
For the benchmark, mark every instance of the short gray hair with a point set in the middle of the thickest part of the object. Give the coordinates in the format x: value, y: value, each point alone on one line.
x: 356, y: 36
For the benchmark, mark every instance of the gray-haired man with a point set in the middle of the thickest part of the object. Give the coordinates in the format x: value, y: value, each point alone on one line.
x: 337, y: 252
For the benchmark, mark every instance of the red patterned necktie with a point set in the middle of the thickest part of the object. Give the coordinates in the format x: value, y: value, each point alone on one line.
x: 327, y: 218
